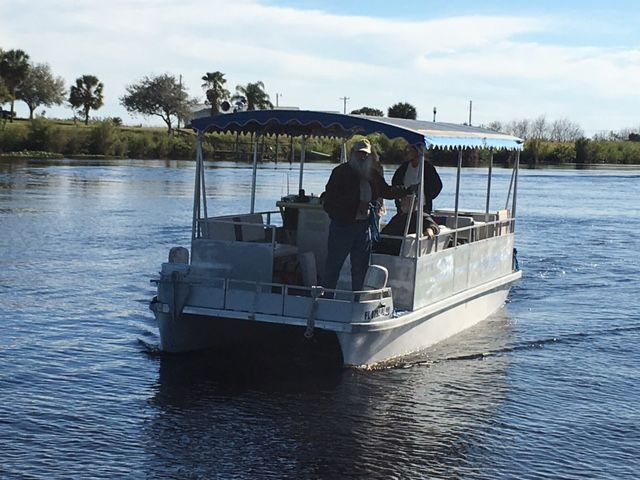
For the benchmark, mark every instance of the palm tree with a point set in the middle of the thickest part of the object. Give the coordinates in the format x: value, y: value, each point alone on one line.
x: 14, y: 65
x: 86, y: 95
x: 214, y: 89
x: 253, y: 95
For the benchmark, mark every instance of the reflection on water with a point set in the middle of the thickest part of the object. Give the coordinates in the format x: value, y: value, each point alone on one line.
x: 290, y: 421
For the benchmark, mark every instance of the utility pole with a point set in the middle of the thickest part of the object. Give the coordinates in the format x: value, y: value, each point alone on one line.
x: 435, y: 110
x: 180, y: 86
x: 470, y: 107
x: 344, y: 99
x: 278, y: 95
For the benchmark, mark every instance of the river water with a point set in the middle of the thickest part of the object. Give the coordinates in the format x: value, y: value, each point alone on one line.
x: 549, y: 387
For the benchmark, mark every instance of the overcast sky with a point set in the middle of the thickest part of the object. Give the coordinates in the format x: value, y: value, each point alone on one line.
x: 578, y: 60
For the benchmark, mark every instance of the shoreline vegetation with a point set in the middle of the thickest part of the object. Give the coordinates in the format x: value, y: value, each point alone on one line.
x: 547, y: 142
x: 109, y: 139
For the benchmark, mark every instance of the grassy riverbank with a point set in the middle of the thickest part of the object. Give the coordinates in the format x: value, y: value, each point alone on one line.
x: 42, y: 138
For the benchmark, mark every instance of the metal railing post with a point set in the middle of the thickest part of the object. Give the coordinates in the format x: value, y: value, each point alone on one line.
x: 515, y: 190
x: 255, y: 171
x: 303, y: 153
x: 455, y: 217
x: 488, y: 205
x: 196, y: 189
x: 204, y: 191
x: 420, y: 211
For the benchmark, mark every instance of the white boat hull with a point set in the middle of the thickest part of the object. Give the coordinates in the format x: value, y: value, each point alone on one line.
x: 373, y: 347
x: 362, y: 344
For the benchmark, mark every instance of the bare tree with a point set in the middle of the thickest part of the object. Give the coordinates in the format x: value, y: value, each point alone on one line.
x: 538, y: 128
x: 564, y: 130
x: 519, y: 128
x: 496, y: 126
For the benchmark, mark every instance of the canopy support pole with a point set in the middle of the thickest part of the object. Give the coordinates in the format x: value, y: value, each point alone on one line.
x: 486, y: 210
x: 196, y: 189
x: 303, y: 152
x: 488, y: 205
x: 515, y: 189
x: 513, y: 174
x: 419, y: 213
x: 455, y: 218
x: 204, y: 191
x: 255, y: 171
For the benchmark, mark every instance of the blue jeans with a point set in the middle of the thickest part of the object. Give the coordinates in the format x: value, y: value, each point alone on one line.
x: 347, y: 239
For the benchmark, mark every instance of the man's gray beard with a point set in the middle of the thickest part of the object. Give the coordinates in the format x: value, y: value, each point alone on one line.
x: 361, y: 167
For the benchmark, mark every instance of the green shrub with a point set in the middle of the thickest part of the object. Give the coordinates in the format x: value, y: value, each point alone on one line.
x: 76, y: 141
x: 41, y: 135
x: 182, y: 148
x: 632, y: 156
x: 561, y: 153
x: 120, y: 147
x: 137, y: 145
x: 13, y: 139
x: 582, y: 149
x: 102, y: 138
x: 160, y: 147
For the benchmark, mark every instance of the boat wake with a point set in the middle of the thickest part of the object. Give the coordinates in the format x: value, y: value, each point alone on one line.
x: 153, y: 350
x: 565, y: 339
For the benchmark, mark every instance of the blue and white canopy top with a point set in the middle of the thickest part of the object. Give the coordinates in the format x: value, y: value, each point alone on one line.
x: 328, y: 124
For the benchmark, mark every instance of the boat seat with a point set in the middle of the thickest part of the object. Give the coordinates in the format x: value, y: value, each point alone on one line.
x: 427, y: 246
x: 309, y: 269
x: 375, y: 278
x: 463, y: 221
x: 178, y: 255
x: 247, y: 227
x: 286, y: 268
x: 503, y: 215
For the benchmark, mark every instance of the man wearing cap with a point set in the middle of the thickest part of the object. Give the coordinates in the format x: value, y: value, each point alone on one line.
x: 351, y: 187
x: 407, y: 175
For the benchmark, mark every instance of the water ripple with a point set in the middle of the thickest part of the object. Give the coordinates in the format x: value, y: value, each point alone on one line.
x: 547, y: 388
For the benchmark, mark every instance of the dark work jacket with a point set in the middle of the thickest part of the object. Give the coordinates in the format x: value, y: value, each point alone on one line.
x: 342, y: 193
x: 432, y: 183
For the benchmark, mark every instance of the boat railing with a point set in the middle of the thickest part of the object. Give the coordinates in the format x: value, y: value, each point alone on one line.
x: 439, y: 241
x: 481, y: 230
x: 448, y: 237
x: 276, y: 298
x: 307, y: 291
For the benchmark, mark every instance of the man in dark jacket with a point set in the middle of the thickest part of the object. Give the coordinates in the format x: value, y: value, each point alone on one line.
x: 407, y: 175
x: 351, y: 188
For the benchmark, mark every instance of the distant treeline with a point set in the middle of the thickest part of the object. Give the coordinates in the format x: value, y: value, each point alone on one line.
x: 110, y: 139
